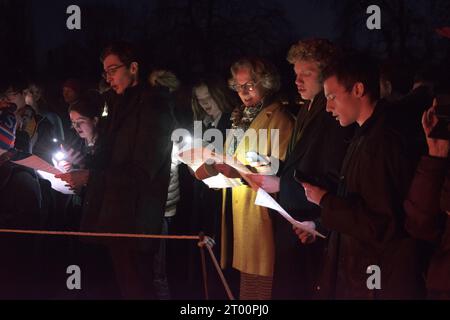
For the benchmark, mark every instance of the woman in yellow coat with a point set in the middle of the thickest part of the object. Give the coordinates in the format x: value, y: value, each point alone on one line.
x: 265, y: 128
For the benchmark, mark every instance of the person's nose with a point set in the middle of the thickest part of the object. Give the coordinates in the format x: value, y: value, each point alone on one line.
x: 299, y: 80
x: 109, y: 78
x: 330, y: 106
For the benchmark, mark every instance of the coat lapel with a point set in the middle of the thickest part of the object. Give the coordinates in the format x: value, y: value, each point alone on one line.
x: 303, y: 132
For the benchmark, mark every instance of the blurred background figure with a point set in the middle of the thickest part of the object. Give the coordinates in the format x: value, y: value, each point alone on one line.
x: 428, y: 208
x: 20, y: 204
x: 34, y: 97
x: 35, y: 133
x: 167, y: 82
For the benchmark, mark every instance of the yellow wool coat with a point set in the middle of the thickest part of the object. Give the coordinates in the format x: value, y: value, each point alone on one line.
x: 253, y: 243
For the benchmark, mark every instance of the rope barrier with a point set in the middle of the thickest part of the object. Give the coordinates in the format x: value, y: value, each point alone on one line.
x: 93, y: 234
x: 204, y: 241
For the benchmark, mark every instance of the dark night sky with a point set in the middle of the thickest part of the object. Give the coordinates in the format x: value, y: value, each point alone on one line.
x: 308, y: 17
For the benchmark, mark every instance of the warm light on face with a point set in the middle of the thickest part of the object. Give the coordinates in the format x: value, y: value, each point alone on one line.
x: 307, y: 79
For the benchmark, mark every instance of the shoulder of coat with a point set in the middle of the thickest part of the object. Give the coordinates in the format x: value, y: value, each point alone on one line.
x: 279, y: 110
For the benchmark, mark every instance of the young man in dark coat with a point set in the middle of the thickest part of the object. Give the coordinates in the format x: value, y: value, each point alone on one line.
x: 370, y: 254
x: 127, y: 189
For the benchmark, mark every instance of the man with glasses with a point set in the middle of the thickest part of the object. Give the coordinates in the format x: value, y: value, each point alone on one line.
x: 127, y: 190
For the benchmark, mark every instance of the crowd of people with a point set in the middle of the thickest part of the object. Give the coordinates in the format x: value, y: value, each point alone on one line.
x: 357, y: 156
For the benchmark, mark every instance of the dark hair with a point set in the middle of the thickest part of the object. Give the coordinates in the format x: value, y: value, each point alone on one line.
x: 126, y: 52
x: 219, y: 93
x: 356, y: 67
x: 13, y: 80
x: 90, y: 105
x: 398, y: 74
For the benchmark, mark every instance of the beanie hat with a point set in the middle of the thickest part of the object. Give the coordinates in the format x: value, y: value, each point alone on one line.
x: 7, y: 127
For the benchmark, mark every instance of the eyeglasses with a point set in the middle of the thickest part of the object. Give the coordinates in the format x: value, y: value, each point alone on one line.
x: 249, y: 86
x: 111, y: 71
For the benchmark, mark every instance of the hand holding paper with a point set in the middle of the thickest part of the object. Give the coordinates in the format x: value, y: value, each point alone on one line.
x: 46, y: 171
x: 265, y: 200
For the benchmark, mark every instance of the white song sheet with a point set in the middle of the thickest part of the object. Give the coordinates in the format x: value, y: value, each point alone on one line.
x: 264, y: 199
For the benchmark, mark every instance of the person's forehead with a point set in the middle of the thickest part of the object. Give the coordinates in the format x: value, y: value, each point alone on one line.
x: 111, y: 61
x: 77, y: 115
x: 331, y: 82
x: 243, y: 75
x: 202, y: 92
x: 306, y: 65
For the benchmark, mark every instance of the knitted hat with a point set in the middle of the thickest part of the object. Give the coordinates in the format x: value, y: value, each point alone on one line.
x: 7, y: 127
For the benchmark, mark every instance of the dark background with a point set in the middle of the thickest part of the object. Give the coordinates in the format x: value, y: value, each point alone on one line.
x: 195, y: 36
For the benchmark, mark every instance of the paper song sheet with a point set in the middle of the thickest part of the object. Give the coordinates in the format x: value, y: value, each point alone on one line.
x: 264, y: 199
x: 222, y: 182
x: 46, y: 171
x: 57, y: 184
x: 195, y: 157
x: 37, y: 163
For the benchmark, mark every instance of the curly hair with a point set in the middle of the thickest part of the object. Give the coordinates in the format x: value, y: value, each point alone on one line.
x: 260, y: 70
x: 321, y: 51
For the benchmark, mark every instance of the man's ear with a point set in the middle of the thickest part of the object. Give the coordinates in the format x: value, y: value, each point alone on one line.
x: 358, y: 89
x: 134, y: 67
x: 389, y: 87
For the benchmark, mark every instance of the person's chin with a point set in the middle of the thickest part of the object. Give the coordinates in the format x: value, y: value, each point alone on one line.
x: 304, y: 95
x: 344, y: 123
x: 118, y: 90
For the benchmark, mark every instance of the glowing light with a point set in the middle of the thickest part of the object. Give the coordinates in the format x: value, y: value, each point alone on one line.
x: 59, y: 156
x: 105, y: 111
